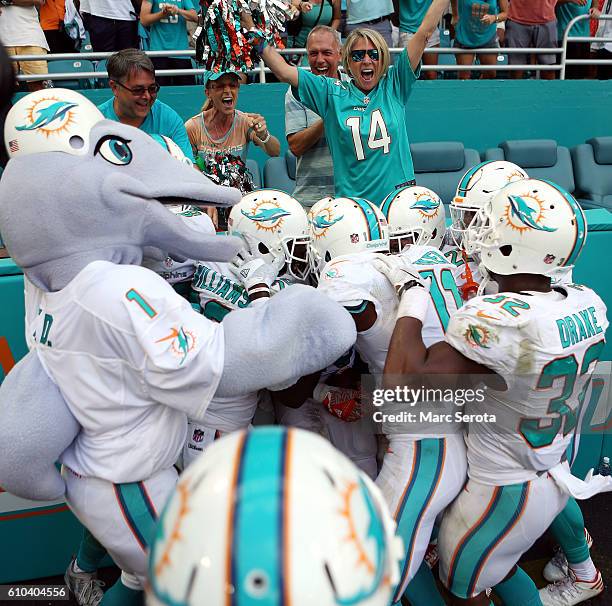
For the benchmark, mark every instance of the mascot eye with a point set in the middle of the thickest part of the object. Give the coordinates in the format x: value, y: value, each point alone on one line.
x: 114, y: 150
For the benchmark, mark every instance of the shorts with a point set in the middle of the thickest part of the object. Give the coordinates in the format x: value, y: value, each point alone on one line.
x: 434, y: 40
x: 530, y: 36
x: 29, y: 67
x: 492, y: 43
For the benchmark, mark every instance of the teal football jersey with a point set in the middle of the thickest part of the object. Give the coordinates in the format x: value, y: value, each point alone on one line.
x: 366, y: 133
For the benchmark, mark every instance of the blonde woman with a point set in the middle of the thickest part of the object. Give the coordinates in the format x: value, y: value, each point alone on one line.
x: 220, y: 127
x: 365, y: 119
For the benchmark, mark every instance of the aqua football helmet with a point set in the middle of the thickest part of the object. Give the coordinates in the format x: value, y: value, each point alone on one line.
x: 274, y: 516
x: 415, y: 215
x: 279, y: 224
x: 53, y: 119
x: 531, y: 226
x: 341, y: 226
x: 478, y: 186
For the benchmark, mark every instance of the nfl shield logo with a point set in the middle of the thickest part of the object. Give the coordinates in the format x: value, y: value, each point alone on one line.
x: 198, y: 435
x: 354, y: 238
x: 548, y: 259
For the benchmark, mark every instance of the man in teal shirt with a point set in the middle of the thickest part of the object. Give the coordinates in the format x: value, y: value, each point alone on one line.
x: 134, y: 101
x: 167, y: 20
x: 565, y: 12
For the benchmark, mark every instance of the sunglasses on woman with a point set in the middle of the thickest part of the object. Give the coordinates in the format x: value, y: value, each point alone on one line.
x: 359, y: 55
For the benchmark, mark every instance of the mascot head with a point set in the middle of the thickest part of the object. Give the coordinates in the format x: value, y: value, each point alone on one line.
x: 84, y: 189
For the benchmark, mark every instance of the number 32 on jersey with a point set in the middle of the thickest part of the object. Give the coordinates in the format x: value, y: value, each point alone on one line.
x: 378, y: 137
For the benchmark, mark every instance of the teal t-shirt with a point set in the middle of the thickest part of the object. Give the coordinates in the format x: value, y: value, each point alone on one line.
x: 565, y: 13
x: 366, y: 133
x: 358, y: 11
x: 162, y: 120
x: 320, y: 14
x: 411, y: 13
x: 170, y: 33
x: 470, y: 31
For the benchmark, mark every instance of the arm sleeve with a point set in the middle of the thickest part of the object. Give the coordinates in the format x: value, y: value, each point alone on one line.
x: 487, y: 337
x: 184, y: 351
x: 313, y: 92
x: 295, y: 115
x: 401, y: 77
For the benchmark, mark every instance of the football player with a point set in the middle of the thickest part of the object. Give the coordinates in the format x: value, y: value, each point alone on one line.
x: 477, y: 187
x: 538, y: 347
x: 275, y: 229
x: 425, y: 465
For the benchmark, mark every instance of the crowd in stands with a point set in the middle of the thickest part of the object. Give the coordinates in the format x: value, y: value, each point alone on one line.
x: 67, y: 26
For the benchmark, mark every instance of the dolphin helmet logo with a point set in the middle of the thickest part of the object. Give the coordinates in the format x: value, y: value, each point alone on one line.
x: 526, y: 212
x: 322, y: 221
x: 49, y: 116
x: 426, y: 205
x: 267, y: 215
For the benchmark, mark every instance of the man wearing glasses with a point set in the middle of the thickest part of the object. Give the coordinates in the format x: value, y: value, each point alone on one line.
x: 132, y: 80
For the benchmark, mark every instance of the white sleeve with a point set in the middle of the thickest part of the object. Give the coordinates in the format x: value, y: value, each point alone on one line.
x: 487, y: 335
x: 184, y: 351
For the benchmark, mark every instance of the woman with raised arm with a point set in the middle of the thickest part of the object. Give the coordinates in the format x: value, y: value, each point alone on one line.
x: 365, y: 119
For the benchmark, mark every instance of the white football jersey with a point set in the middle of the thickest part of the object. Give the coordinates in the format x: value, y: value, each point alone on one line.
x: 181, y: 271
x: 132, y: 360
x: 545, y: 346
x: 352, y: 280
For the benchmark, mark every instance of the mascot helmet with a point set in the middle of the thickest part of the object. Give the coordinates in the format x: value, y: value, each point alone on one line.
x: 274, y: 516
x: 54, y: 119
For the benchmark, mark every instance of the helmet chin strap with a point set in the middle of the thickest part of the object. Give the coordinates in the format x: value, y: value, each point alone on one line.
x: 486, y: 279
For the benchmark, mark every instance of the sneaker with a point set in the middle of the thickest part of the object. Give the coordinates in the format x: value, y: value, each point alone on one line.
x: 557, y: 568
x: 85, y: 586
x: 571, y: 591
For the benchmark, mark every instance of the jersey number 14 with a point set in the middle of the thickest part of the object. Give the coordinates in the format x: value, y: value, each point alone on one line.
x: 377, y: 125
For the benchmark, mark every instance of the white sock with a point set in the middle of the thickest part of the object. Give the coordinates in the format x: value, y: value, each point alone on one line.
x: 585, y: 571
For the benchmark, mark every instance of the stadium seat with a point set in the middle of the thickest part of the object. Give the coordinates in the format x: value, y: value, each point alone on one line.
x: 253, y: 168
x: 279, y: 173
x: 72, y: 66
x: 441, y: 165
x: 593, y: 171
x: 542, y: 159
x: 101, y: 67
